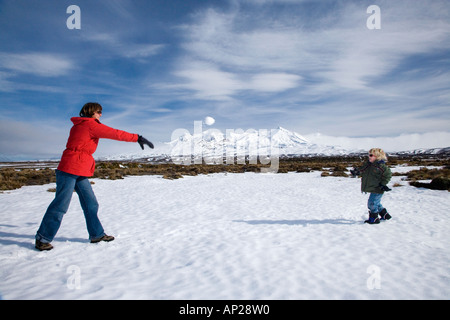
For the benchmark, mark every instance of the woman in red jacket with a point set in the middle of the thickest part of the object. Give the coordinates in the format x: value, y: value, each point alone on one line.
x: 76, y: 165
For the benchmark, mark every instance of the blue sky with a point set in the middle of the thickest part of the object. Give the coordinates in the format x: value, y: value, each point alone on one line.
x: 155, y: 66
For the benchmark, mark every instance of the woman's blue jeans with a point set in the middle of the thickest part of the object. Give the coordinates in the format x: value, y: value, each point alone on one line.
x: 374, y: 202
x: 65, y: 185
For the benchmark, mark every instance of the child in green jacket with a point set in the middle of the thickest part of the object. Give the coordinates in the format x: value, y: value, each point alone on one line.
x: 375, y: 177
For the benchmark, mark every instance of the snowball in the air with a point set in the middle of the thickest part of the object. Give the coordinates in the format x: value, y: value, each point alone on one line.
x: 209, y: 121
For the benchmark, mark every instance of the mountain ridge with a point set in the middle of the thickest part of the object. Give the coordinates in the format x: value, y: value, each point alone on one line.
x: 280, y: 141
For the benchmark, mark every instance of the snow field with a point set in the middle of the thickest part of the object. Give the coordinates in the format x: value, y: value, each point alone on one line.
x: 230, y: 236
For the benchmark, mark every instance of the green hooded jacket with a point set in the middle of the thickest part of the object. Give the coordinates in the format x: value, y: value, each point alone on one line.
x: 374, y: 175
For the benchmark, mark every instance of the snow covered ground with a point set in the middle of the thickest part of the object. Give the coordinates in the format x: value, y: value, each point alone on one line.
x: 230, y: 236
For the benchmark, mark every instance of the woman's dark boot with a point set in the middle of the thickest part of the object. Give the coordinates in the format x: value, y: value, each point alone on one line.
x: 104, y: 238
x: 42, y: 246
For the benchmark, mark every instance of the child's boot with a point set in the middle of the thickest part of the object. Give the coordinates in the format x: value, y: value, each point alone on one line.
x: 384, y: 214
x: 373, y: 218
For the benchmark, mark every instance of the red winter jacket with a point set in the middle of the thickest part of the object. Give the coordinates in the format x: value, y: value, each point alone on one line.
x: 83, y: 140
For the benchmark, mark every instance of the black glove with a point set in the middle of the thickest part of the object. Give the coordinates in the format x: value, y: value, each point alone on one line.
x: 142, y: 141
x: 355, y: 172
x: 385, y: 188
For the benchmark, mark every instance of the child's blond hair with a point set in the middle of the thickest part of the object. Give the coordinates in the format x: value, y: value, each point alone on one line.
x: 378, y: 153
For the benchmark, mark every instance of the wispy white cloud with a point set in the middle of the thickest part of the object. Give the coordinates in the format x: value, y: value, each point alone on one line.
x: 5, y: 84
x: 124, y: 48
x: 273, y: 82
x: 222, y: 39
x: 210, y: 83
x: 40, y: 64
x: 143, y: 50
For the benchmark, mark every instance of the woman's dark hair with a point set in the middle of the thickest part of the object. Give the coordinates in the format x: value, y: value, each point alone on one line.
x: 89, y: 109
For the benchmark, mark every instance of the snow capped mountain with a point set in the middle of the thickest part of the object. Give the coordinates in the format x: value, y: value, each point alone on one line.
x: 286, y: 139
x: 214, y: 143
x: 423, y: 151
